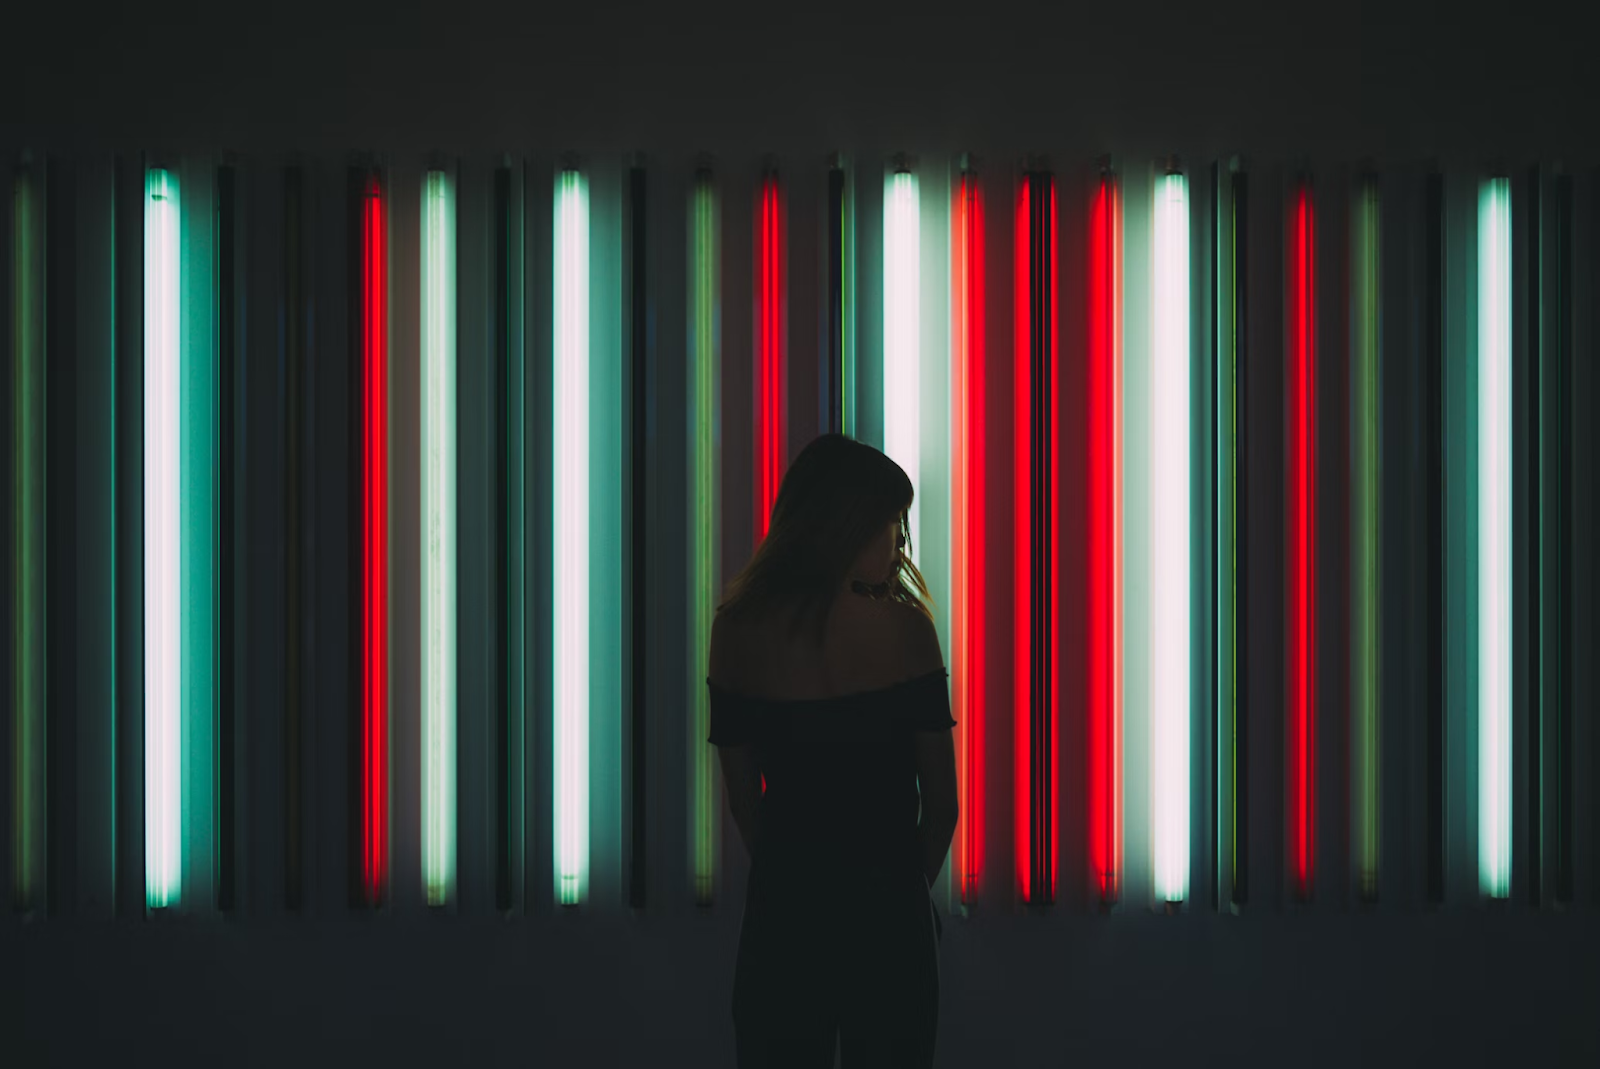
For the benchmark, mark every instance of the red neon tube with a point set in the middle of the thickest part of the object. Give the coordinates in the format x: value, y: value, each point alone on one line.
x: 1104, y: 425
x: 1037, y: 591
x: 970, y: 515
x: 771, y: 401
x: 375, y: 545
x: 1302, y: 550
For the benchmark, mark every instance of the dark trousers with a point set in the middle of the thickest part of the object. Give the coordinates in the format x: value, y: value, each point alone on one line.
x: 856, y: 964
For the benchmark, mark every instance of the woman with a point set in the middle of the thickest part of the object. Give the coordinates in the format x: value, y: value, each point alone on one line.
x: 827, y: 683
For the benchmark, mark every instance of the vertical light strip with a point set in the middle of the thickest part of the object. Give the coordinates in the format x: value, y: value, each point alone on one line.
x: 902, y: 383
x: 438, y: 537
x: 1301, y: 557
x: 1494, y: 537
x: 970, y: 550
x: 1238, y: 280
x: 163, y: 650
x: 838, y: 406
x: 705, y: 512
x: 1365, y: 646
x: 28, y: 369
x: 374, y: 424
x: 570, y: 565
x: 1104, y: 414
x: 771, y: 376
x: 1170, y: 594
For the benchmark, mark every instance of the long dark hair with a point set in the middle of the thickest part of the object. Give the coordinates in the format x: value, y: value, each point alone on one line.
x: 835, y: 499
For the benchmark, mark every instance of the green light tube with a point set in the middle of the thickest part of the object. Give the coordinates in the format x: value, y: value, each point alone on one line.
x: 901, y: 344
x: 1494, y: 537
x: 1169, y: 591
x: 163, y: 756
x: 438, y: 538
x: 570, y: 565
x: 705, y: 359
x: 1366, y: 645
x: 28, y: 733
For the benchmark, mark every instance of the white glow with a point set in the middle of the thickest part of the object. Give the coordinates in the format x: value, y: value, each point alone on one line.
x: 1169, y: 538
x: 901, y: 383
x: 1494, y: 537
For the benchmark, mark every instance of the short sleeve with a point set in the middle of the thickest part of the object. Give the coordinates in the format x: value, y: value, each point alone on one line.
x: 925, y: 704
x: 731, y: 721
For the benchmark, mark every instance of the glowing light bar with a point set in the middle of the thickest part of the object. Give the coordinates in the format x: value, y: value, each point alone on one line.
x: 570, y: 563
x: 1302, y: 526
x: 705, y: 518
x: 771, y: 376
x: 28, y: 679
x: 438, y: 537
x: 901, y: 279
x: 1037, y: 562
x: 373, y: 421
x: 839, y: 365
x: 163, y: 772
x: 1494, y: 537
x: 1105, y: 566
x: 970, y: 456
x: 1170, y: 579
x: 1366, y: 645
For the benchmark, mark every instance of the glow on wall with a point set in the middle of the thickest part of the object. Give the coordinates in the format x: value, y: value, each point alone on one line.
x: 968, y: 620
x: 570, y: 563
x: 1103, y: 410
x: 28, y: 543
x: 704, y: 514
x: 374, y: 419
x: 771, y: 370
x: 1366, y: 646
x: 438, y: 395
x: 1037, y: 446
x: 902, y: 437
x: 1170, y: 501
x: 1301, y: 524
x: 163, y: 750
x: 1494, y: 537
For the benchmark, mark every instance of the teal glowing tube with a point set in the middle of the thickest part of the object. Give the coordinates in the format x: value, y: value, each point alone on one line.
x: 438, y: 538
x: 704, y: 517
x: 28, y: 679
x: 1365, y: 647
x: 1494, y: 537
x: 163, y: 750
x: 570, y: 566
x: 1170, y: 622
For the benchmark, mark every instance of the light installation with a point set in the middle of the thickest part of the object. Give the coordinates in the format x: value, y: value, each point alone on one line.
x: 968, y: 620
x: 1037, y: 446
x: 230, y: 400
x: 570, y: 561
x: 1170, y: 580
x: 705, y: 516
x: 372, y: 421
x: 1366, y: 497
x: 28, y: 542
x: 838, y: 405
x: 1494, y: 537
x: 1103, y: 411
x: 163, y: 766
x: 902, y: 438
x: 771, y: 377
x: 438, y: 638
x: 1301, y: 556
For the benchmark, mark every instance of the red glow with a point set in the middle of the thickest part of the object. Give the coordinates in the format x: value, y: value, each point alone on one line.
x: 1104, y: 427
x: 375, y: 543
x: 771, y: 377
x: 1037, y: 755
x: 1302, y: 542
x: 970, y: 518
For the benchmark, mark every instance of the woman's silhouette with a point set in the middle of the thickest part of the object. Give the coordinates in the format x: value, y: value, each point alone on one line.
x: 826, y: 679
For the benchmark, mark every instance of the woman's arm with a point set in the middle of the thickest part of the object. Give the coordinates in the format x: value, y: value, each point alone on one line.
x: 742, y: 779
x: 936, y: 779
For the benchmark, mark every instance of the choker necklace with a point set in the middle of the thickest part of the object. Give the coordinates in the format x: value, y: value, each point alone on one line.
x: 872, y: 591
